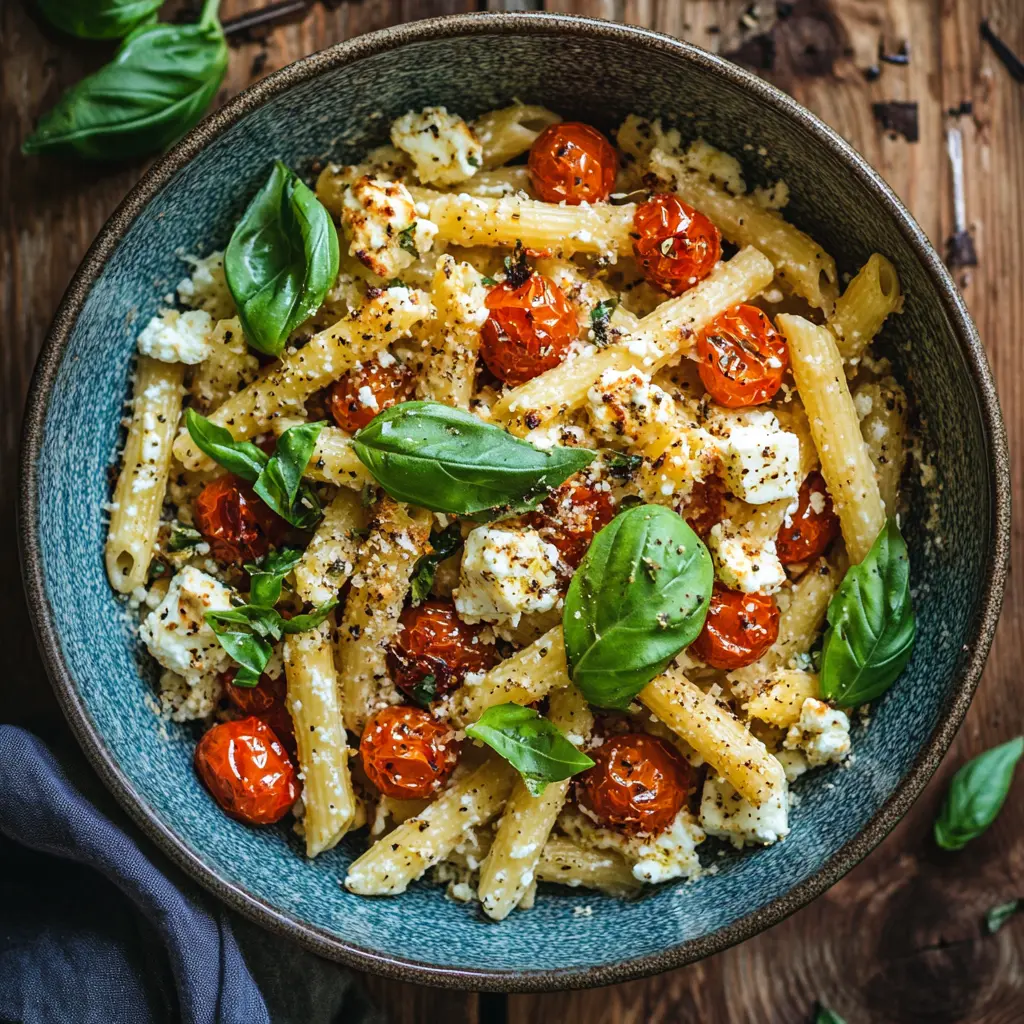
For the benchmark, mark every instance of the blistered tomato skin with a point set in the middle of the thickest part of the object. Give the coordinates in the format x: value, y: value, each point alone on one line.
x: 675, y: 245
x: 572, y: 163
x: 738, y: 630
x: 809, y: 531
x: 234, y: 522
x: 266, y: 700
x: 247, y: 771
x: 570, y: 516
x: 433, y: 641
x: 705, y: 506
x: 407, y: 753
x: 529, y: 329
x: 358, y: 396
x: 637, y: 785
x: 741, y: 357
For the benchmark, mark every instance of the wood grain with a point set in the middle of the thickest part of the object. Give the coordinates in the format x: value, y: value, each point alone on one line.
x: 900, y: 938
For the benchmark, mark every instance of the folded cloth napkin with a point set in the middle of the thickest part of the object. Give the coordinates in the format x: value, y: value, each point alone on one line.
x: 96, y: 926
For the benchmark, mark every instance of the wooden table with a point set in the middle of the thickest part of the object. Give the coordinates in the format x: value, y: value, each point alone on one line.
x: 900, y: 938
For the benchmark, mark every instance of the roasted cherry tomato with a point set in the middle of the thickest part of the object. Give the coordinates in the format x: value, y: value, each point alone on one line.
x: 738, y: 630
x: 809, y: 531
x: 675, y: 245
x: 247, y: 770
x: 266, y: 700
x: 705, y: 507
x: 358, y: 396
x: 407, y: 753
x: 638, y: 783
x: 569, y: 518
x: 741, y: 357
x: 572, y: 163
x: 529, y: 330
x: 234, y: 522
x: 434, y: 641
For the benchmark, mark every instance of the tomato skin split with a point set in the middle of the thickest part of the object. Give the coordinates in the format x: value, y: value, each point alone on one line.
x: 235, y: 523
x: 675, y: 245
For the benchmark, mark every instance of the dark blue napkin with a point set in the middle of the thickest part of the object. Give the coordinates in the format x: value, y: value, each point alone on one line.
x: 96, y: 926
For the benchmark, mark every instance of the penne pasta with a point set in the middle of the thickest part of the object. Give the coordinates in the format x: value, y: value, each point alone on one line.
x: 779, y: 701
x: 872, y: 294
x: 334, y: 460
x: 569, y: 863
x: 228, y: 368
x: 882, y: 408
x: 328, y: 561
x: 510, y: 131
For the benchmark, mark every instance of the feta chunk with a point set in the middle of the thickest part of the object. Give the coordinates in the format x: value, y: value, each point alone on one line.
x: 624, y: 406
x: 760, y: 460
x: 176, y: 632
x: 380, y: 220
x: 443, y: 147
x: 744, y: 562
x: 822, y: 733
x: 725, y: 814
x: 504, y: 573
x: 206, y: 287
x: 174, y: 337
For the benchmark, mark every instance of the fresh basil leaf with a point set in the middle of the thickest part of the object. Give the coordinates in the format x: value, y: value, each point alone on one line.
x: 267, y: 576
x: 999, y: 915
x: 870, y: 624
x: 281, y: 260
x: 264, y: 621
x: 638, y: 598
x: 156, y: 88
x: 447, y: 460
x: 406, y: 241
x: 600, y: 317
x: 280, y: 483
x: 827, y: 1016
x: 98, y: 19
x: 309, y: 620
x: 183, y: 537
x: 242, y: 458
x: 248, y: 650
x: 368, y: 495
x: 976, y: 795
x: 443, y: 544
x: 621, y: 464
x: 534, y: 746
x: 424, y: 692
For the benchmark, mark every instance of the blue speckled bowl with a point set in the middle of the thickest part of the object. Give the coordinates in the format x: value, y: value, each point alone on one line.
x: 338, y: 103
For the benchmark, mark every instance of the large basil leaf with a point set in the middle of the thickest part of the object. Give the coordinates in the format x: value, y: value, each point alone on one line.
x: 242, y: 458
x: 308, y: 620
x: 871, y: 624
x: 534, y: 746
x: 156, y: 88
x: 267, y: 576
x: 281, y: 260
x: 976, y: 795
x: 447, y: 460
x: 443, y: 544
x: 98, y: 19
x: 998, y: 916
x: 638, y: 598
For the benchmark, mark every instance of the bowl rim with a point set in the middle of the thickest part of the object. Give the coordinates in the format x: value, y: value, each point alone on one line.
x: 981, y: 632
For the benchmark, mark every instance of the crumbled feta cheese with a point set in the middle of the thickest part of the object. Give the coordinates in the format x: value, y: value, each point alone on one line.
x: 624, y: 404
x: 380, y: 220
x: 206, y: 287
x: 443, y: 147
x: 822, y: 733
x: 506, y: 572
x: 744, y: 562
x: 794, y: 764
x: 760, y: 461
x: 176, y: 632
x: 174, y: 337
x: 725, y: 814
x: 669, y: 854
x: 184, y: 701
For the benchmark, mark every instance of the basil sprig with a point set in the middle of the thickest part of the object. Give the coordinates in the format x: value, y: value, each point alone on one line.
x: 277, y: 478
x: 638, y: 598
x: 156, y: 88
x: 443, y: 544
x: 976, y: 795
x: 998, y: 916
x: 534, y: 746
x: 281, y: 261
x: 447, y: 460
x: 266, y: 577
x: 870, y: 624
x: 98, y: 19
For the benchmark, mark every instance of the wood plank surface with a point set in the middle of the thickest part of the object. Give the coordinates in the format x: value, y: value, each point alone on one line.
x: 900, y: 938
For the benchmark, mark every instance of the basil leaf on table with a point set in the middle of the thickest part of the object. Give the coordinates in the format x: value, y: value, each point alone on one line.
x: 242, y: 458
x: 443, y: 544
x: 535, y: 747
x: 998, y: 916
x: 870, y: 624
x: 976, y: 795
x: 267, y: 576
x: 281, y: 261
x: 156, y: 88
x: 826, y: 1016
x: 98, y: 19
x: 447, y: 460
x: 638, y: 598
x: 280, y: 484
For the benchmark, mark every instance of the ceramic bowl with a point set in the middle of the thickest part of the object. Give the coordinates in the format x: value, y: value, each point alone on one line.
x: 338, y: 103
